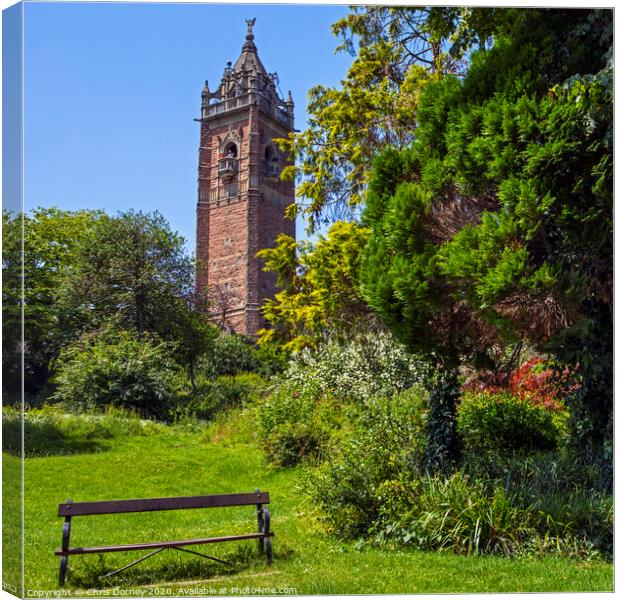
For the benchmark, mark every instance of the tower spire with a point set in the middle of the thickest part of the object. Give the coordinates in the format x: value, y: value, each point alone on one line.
x: 248, y: 74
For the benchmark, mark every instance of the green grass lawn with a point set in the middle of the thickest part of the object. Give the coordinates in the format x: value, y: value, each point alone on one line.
x: 11, y: 524
x: 226, y: 458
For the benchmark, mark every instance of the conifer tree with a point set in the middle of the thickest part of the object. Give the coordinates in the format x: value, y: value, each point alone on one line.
x: 496, y: 224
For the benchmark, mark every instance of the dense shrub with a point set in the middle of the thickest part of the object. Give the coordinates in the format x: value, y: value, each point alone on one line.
x: 543, y: 383
x: 311, y: 399
x: 290, y: 443
x: 368, y: 365
x: 116, y: 368
x: 293, y: 425
x: 285, y: 404
x: 214, y: 396
x: 387, y: 440
x: 501, y: 422
x: 230, y: 354
x: 272, y: 359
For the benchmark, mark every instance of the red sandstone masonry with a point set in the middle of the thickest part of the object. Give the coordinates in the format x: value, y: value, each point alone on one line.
x: 229, y: 232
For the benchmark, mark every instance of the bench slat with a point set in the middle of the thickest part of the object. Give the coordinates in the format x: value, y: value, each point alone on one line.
x: 150, y: 545
x: 107, y: 507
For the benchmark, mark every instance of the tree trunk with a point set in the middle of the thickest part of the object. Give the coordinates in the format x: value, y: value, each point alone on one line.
x: 442, y: 446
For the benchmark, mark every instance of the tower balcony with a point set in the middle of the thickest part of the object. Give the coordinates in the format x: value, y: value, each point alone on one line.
x: 224, y: 106
x: 238, y: 102
x: 227, y: 168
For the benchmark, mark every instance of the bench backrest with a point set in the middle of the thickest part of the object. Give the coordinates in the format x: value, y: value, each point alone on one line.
x: 107, y: 507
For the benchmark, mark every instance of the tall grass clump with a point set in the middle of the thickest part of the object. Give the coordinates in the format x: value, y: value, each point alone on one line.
x: 50, y: 431
x: 453, y: 513
x: 559, y: 488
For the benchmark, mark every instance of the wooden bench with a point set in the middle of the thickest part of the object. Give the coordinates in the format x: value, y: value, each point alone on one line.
x: 71, y: 509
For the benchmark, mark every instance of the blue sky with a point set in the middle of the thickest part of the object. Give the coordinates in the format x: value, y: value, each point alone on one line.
x: 111, y: 91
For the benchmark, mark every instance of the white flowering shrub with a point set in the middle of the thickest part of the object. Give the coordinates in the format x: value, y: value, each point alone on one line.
x: 307, y: 408
x: 369, y: 365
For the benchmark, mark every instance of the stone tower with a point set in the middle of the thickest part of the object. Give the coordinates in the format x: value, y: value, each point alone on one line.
x: 241, y: 200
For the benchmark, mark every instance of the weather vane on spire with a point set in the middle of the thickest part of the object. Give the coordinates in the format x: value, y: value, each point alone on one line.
x: 250, y: 24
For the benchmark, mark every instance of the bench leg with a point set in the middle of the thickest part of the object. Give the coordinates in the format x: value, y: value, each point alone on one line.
x: 63, y: 570
x: 261, y: 527
x: 267, y: 532
x: 268, y: 551
x: 66, y: 533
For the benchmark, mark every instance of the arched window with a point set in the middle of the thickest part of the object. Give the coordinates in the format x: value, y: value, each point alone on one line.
x: 271, y: 162
x: 270, y: 154
x: 230, y: 151
x: 228, y: 165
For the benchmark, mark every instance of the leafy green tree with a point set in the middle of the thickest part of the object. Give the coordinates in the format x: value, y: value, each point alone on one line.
x: 82, y: 269
x: 397, y: 51
x: 375, y: 107
x: 51, y: 238
x: 193, y: 336
x: 496, y: 224
x: 133, y: 269
x: 319, y: 296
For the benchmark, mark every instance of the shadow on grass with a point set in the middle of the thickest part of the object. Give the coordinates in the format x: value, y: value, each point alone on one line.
x: 45, y: 438
x: 167, y: 568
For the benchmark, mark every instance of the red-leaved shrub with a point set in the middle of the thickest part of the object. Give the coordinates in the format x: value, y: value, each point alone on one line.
x: 534, y: 380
